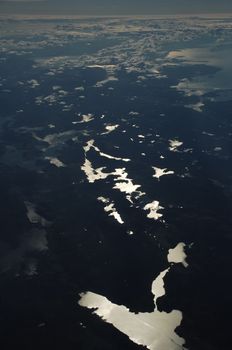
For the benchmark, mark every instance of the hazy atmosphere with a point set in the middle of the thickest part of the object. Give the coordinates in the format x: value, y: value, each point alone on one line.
x: 114, y: 7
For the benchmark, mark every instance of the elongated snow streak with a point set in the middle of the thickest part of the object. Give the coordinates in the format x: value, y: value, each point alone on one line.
x: 110, y: 208
x: 90, y: 144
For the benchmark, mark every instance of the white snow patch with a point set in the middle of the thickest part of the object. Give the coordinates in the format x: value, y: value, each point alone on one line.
x: 161, y: 172
x: 110, y: 128
x: 174, y: 145
x: 105, y: 81
x: 93, y: 174
x: 86, y: 118
x: 155, y: 330
x: 154, y: 207
x: 56, y: 162
x: 110, y: 208
x: 177, y: 255
x: 196, y: 107
x: 33, y: 83
x: 157, y: 287
x: 124, y: 184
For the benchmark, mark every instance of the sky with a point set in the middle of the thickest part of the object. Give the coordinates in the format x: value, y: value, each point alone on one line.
x: 114, y: 7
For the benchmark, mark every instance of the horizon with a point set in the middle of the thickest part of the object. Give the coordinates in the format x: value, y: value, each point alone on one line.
x: 69, y: 16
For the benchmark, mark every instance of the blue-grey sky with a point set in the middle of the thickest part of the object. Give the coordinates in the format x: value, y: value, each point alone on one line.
x: 114, y: 7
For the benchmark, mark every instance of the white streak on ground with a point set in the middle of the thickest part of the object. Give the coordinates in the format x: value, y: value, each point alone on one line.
x: 157, y: 287
x: 90, y: 144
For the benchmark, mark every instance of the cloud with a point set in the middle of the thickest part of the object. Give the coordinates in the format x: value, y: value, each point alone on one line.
x: 15, y: 257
